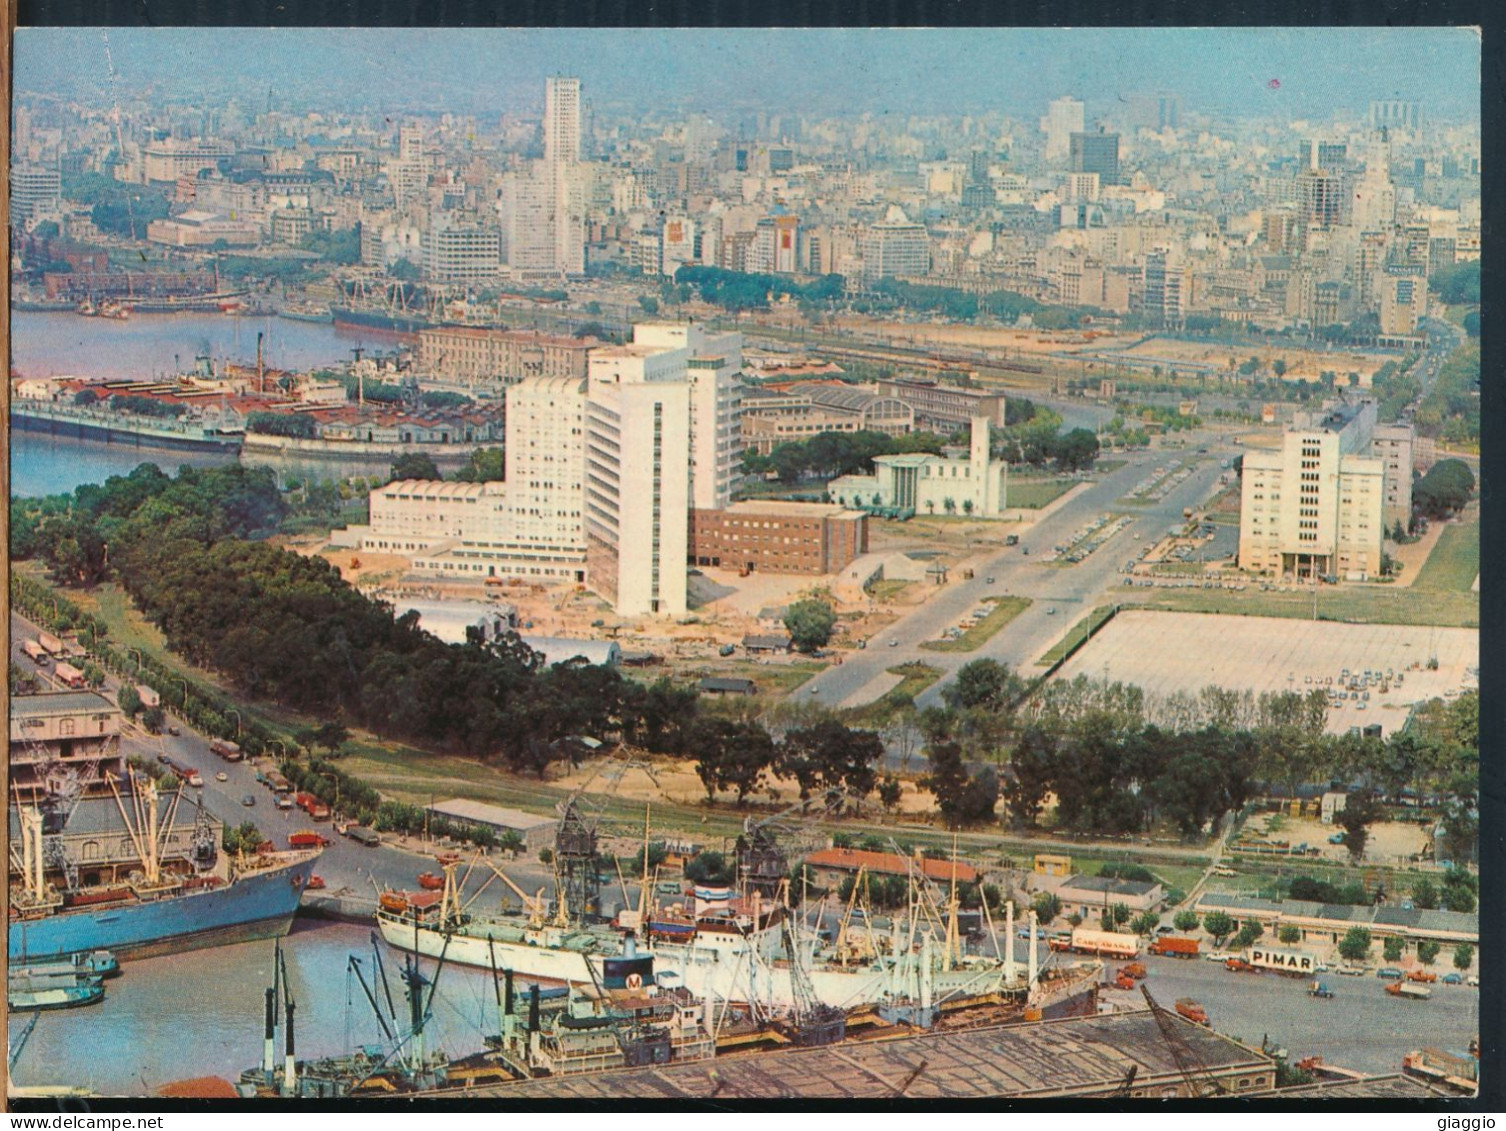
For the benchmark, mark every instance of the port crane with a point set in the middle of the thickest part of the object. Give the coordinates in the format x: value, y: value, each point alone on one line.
x: 1200, y: 1082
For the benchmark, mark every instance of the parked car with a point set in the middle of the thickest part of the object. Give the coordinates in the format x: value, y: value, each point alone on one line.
x: 1452, y: 978
x: 1472, y: 980
x: 1390, y: 973
x: 222, y: 776
x: 1166, y: 930
x: 174, y: 731
x: 1051, y: 610
x: 1217, y: 956
x: 1350, y: 971
x: 248, y: 801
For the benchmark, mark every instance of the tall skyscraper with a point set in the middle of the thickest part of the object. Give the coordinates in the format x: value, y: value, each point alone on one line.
x: 565, y: 176
x: 1396, y: 113
x: 1096, y: 153
x: 1064, y: 117
x: 1159, y: 111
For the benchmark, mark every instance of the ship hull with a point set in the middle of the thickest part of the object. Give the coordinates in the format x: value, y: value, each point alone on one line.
x: 713, y: 973
x: 121, y: 432
x: 260, y: 905
x: 398, y: 325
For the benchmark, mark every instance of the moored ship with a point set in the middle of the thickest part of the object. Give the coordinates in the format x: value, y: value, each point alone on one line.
x: 122, y: 873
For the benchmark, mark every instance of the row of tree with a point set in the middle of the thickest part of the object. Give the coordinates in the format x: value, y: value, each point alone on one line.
x: 741, y: 756
x: 829, y: 454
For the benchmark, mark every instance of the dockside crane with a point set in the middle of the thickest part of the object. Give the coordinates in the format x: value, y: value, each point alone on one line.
x: 1200, y: 1082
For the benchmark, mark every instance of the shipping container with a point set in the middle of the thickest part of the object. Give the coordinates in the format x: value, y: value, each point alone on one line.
x: 52, y: 644
x: 35, y: 652
x: 69, y: 675
x: 1110, y: 944
x: 1169, y: 946
x: 148, y: 696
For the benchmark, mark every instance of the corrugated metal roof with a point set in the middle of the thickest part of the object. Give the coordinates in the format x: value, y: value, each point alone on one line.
x: 464, y: 809
x: 47, y: 704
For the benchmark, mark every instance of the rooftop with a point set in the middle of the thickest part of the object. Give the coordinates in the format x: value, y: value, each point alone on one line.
x: 466, y: 810
x: 48, y: 704
x: 1073, y: 1056
x: 775, y: 508
x: 1110, y: 884
x: 890, y: 863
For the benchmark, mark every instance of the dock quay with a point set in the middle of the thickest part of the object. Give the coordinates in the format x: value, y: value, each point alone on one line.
x: 1111, y: 1054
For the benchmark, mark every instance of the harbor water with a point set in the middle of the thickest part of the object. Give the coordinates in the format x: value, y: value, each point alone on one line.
x: 201, y: 1013
x: 151, y: 345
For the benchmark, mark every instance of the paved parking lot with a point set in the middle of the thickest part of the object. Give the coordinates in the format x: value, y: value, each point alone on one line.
x: 1164, y: 652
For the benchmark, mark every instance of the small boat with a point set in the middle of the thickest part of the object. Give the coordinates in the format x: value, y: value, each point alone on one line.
x: 52, y: 993
x: 94, y: 964
x: 430, y: 882
x: 316, y: 883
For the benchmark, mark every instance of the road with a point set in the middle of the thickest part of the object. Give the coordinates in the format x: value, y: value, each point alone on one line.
x: 1071, y: 590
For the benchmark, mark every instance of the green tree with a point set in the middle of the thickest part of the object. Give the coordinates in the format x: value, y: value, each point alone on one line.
x: 1464, y: 955
x: 889, y: 792
x: 1290, y: 935
x: 1355, y: 945
x: 405, y: 270
x: 1145, y: 923
x: 1218, y: 924
x: 486, y: 465
x: 1392, y: 948
x: 711, y: 868
x: 129, y: 700
x: 733, y: 755
x: 649, y: 304
x: 415, y: 465
x: 1118, y: 915
x: 1046, y: 906
x: 1359, y: 811
x: 1249, y: 933
x: 1427, y: 951
x: 1185, y: 920
x: 1425, y: 895
x: 153, y: 719
x: 810, y: 623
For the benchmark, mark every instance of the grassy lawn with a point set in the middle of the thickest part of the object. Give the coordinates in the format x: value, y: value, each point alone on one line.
x: 1078, y: 632
x: 914, y: 678
x: 1369, y: 605
x: 1032, y: 494
x: 1104, y: 466
x: 1455, y: 561
x: 1005, y: 610
x: 888, y: 590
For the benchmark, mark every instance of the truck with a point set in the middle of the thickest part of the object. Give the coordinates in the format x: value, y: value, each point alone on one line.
x: 52, y: 644
x: 1282, y: 961
x: 1408, y: 990
x: 362, y: 835
x: 186, y: 773
x: 277, y: 783
x: 307, y: 838
x: 227, y: 750
x: 1192, y: 1010
x: 69, y: 675
x: 312, y: 806
x: 1011, y: 540
x: 36, y: 653
x: 148, y: 696
x: 1319, y: 989
x: 1169, y: 946
x: 1108, y: 944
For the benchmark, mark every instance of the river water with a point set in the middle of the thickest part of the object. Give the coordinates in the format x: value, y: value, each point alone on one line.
x: 150, y: 345
x: 201, y: 1013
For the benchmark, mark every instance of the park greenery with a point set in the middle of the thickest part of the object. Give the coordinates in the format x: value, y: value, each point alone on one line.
x: 829, y: 454
x: 1444, y: 490
x: 810, y: 623
x: 1451, y: 409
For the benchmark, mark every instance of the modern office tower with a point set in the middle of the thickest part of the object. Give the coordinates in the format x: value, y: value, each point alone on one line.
x: 1396, y: 113
x: 774, y: 243
x: 35, y: 191
x: 1079, y: 188
x: 1155, y: 111
x: 1064, y: 117
x: 1320, y: 198
x: 1315, y: 154
x: 1372, y: 205
x: 1316, y: 506
x: 458, y: 253
x: 1096, y: 153
x: 1403, y: 301
x: 1166, y: 289
x: 565, y: 176
x: 1370, y: 257
x: 637, y: 478
x: 530, y: 232
x: 895, y: 248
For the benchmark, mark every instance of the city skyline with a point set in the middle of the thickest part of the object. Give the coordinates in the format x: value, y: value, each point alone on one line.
x: 1283, y: 73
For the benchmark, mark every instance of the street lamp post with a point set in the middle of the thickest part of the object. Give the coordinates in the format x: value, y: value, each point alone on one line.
x: 237, y: 715
x: 137, y: 653
x: 184, y: 682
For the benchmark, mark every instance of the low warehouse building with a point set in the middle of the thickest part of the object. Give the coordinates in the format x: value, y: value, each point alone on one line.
x: 832, y: 865
x: 1077, y: 1056
x: 537, y: 832
x: 1089, y: 896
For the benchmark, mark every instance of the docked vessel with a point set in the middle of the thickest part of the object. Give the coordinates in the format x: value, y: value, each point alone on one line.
x: 122, y: 873
x: 95, y: 964
x: 307, y: 313
x: 37, y: 993
x: 73, y: 422
x: 382, y: 321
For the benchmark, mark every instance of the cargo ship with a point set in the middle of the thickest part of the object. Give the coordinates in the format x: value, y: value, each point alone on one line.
x: 398, y: 323
x: 751, y: 950
x: 122, y: 873
x: 54, y: 419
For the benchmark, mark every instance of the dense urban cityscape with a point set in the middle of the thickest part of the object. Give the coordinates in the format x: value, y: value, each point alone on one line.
x: 884, y: 586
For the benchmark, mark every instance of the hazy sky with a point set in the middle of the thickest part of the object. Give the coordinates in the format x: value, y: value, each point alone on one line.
x: 1319, y: 70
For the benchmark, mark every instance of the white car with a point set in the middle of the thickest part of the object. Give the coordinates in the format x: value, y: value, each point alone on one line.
x: 1217, y: 956
x: 222, y: 776
x: 1473, y: 980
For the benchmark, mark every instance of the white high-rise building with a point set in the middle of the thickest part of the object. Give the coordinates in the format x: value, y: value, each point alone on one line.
x: 566, y: 177
x: 546, y: 445
x: 1064, y: 117
x: 1372, y: 205
x: 530, y: 231
x: 714, y: 369
x: 637, y: 479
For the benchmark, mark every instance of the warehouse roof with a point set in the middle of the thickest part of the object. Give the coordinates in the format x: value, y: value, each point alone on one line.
x: 1072, y: 1056
x: 890, y: 864
x: 1395, y: 1087
x: 46, y: 704
x: 1110, y: 885
x: 478, y: 812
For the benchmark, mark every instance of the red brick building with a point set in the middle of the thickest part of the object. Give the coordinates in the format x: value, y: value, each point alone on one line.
x: 832, y: 865
x: 778, y: 537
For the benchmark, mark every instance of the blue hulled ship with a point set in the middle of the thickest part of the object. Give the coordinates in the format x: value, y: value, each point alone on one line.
x: 123, y: 872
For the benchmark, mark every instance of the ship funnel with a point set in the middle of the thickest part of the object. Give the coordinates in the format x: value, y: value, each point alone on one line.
x: 533, y: 1009
x: 630, y: 947
x: 509, y: 1022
